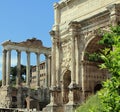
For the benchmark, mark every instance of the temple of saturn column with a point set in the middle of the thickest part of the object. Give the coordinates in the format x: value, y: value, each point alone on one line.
x: 30, y: 46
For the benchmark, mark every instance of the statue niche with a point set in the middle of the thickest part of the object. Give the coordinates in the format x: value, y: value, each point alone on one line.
x: 66, y: 83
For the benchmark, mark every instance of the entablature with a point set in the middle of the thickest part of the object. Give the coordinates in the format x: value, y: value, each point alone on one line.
x: 30, y: 45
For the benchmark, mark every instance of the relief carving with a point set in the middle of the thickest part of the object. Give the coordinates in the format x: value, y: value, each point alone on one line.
x: 66, y: 54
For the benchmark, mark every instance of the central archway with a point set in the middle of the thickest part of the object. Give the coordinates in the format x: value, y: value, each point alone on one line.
x: 91, y: 71
x: 66, y: 83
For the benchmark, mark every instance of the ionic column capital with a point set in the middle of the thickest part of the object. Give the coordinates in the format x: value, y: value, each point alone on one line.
x: 4, y: 51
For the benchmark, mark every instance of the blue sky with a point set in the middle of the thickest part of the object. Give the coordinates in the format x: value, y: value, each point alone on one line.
x: 23, y: 19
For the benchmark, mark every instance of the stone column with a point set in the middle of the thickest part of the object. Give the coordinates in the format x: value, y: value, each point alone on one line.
x: 77, y: 61
x: 38, y: 70
x: 82, y: 79
x: 53, y: 59
x: 114, y: 10
x: 53, y: 73
x: 49, y: 71
x: 58, y: 64
x: 4, y: 68
x: 8, y: 67
x: 18, y: 78
x: 46, y: 73
x: 28, y: 70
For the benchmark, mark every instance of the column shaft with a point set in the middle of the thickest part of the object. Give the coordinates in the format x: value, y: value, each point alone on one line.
x: 38, y: 70
x: 18, y: 79
x: 28, y: 70
x: 54, y: 63
x: 58, y: 65
x: 73, y: 64
x: 46, y: 69
x: 4, y: 68
x: 82, y: 80
x: 49, y: 71
x: 8, y: 67
x: 77, y: 61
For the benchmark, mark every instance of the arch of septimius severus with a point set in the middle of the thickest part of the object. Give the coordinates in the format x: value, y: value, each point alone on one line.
x: 76, y: 32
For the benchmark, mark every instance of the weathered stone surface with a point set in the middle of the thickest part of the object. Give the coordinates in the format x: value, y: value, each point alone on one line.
x: 5, y: 97
x: 76, y: 31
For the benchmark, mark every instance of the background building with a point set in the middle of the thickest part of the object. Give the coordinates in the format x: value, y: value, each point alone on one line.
x: 43, y: 76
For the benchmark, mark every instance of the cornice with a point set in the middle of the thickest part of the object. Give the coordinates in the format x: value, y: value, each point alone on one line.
x: 64, y: 3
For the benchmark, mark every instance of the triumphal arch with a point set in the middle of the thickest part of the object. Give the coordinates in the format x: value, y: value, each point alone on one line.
x: 77, y: 28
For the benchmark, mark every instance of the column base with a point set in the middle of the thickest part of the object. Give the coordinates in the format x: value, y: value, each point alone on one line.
x: 70, y: 107
x: 53, y: 108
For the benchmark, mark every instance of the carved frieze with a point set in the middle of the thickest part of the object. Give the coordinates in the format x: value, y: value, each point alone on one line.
x: 66, y: 54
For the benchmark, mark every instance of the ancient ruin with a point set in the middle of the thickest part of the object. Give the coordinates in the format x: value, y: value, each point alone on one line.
x: 78, y: 26
x: 24, y: 97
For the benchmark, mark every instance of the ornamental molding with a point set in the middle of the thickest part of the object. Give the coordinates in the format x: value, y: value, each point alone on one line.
x: 95, y: 21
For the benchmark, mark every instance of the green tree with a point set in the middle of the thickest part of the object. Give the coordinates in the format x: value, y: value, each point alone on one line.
x: 110, y: 95
x: 13, y: 73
